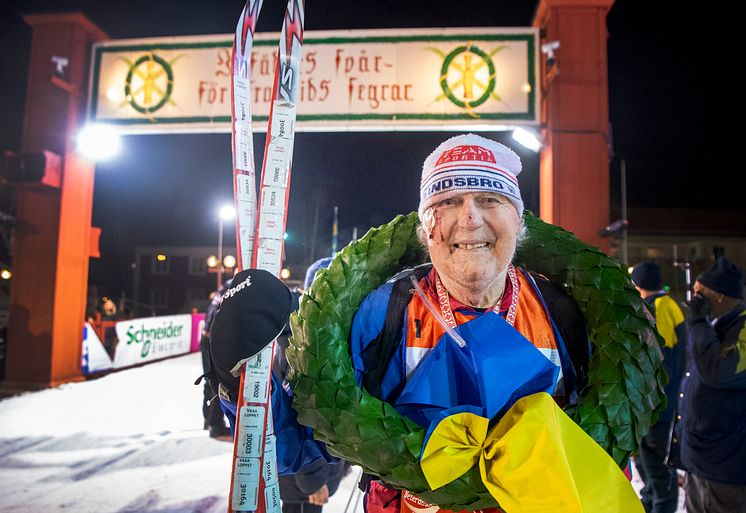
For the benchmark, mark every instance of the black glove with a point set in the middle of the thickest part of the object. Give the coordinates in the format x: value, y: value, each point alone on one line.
x: 252, y: 313
x: 210, y: 375
x: 699, y: 307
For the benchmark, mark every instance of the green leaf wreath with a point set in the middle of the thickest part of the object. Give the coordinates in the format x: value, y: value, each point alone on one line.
x: 617, y: 407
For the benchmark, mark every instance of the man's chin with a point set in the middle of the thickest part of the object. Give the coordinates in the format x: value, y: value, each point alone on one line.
x: 476, y: 270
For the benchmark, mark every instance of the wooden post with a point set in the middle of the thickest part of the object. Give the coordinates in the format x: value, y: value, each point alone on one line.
x: 53, y: 237
x: 574, y: 172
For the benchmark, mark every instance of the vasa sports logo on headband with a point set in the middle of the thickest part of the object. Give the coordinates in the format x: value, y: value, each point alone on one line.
x: 468, y: 76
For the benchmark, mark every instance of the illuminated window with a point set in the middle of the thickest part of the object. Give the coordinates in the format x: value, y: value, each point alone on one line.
x: 160, y: 266
x: 654, y: 253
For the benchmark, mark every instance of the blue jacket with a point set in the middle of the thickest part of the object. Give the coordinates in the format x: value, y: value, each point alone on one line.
x: 369, y: 322
x: 709, y: 436
x: 297, y: 451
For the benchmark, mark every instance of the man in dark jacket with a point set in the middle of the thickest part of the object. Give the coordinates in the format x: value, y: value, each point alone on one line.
x: 709, y: 438
x: 213, y: 415
x: 661, y: 491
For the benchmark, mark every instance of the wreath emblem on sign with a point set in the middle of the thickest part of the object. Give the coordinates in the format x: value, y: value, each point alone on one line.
x: 149, y: 83
x: 468, y: 76
x: 616, y: 408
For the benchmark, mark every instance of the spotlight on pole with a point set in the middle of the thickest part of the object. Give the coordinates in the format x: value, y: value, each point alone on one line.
x: 227, y: 212
x: 98, y: 142
x: 528, y: 139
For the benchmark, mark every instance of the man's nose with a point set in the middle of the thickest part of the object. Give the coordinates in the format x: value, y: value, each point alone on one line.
x: 470, y: 215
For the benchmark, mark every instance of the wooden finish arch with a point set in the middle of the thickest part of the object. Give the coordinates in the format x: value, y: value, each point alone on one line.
x: 52, y: 241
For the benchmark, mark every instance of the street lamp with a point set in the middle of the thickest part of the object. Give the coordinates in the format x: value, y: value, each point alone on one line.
x: 227, y: 212
x: 229, y: 261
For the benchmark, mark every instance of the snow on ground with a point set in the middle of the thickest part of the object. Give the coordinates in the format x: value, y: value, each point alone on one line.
x: 129, y: 442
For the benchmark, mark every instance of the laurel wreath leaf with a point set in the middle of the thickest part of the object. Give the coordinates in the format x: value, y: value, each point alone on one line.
x: 617, y: 407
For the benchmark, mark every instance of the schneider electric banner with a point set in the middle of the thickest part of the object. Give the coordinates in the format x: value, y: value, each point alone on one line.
x: 137, y: 341
x: 350, y: 80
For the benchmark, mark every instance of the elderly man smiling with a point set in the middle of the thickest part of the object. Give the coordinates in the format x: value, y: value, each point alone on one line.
x: 523, y: 334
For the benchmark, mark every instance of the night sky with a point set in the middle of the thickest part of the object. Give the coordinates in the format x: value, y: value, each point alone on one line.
x: 671, y: 81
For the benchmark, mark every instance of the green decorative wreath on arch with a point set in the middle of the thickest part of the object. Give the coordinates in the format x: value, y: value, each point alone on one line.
x: 616, y: 408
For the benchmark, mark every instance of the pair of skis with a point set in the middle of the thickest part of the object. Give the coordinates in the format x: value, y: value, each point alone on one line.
x: 260, y: 229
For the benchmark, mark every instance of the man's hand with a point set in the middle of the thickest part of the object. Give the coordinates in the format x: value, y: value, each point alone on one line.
x: 319, y: 497
x: 699, y: 306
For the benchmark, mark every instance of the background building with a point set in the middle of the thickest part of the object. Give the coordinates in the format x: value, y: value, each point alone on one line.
x: 174, y: 279
x: 677, y: 238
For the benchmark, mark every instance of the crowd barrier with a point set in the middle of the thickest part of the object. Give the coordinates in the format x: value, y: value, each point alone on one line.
x: 111, y: 345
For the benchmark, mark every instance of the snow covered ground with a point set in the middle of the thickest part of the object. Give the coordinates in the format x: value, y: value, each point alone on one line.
x: 129, y: 442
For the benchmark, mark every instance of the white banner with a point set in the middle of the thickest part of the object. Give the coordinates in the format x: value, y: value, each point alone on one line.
x: 152, y: 338
x: 137, y: 341
x: 464, y: 78
x: 95, y: 357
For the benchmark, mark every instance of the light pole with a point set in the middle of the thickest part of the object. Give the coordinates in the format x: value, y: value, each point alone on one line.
x: 623, y: 176
x: 226, y: 213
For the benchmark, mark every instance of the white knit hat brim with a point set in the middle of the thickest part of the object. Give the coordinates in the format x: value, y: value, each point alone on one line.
x: 470, y: 163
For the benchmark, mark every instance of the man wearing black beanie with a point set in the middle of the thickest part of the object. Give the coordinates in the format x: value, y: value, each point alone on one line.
x: 710, y: 428
x: 661, y: 491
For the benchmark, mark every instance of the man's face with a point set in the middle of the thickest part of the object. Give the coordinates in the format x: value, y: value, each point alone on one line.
x: 707, y: 292
x: 472, y: 237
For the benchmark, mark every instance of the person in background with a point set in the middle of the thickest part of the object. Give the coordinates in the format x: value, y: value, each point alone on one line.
x: 255, y: 311
x: 321, y: 263
x: 309, y: 489
x: 709, y: 435
x: 109, y: 311
x: 109, y: 316
x: 214, y: 420
x: 661, y: 491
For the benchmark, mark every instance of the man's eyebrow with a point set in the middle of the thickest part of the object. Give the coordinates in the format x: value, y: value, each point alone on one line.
x: 487, y: 194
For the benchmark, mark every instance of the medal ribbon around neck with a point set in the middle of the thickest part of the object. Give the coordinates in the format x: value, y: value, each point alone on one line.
x: 445, y: 304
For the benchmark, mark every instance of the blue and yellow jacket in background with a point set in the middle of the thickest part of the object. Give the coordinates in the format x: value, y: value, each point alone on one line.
x: 669, y: 321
